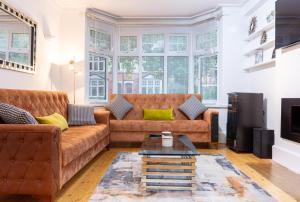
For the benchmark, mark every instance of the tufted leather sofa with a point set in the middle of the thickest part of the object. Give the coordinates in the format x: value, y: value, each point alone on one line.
x: 39, y: 159
x: 133, y: 128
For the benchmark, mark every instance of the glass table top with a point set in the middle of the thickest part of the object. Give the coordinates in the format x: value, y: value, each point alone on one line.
x: 182, y: 145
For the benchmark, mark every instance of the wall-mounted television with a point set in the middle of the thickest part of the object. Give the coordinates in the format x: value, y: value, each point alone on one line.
x: 287, y: 23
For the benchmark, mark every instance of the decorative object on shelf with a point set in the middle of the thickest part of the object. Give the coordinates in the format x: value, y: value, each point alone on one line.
x: 274, y: 54
x: 252, y: 26
x: 264, y: 38
x: 259, y: 56
x: 270, y: 17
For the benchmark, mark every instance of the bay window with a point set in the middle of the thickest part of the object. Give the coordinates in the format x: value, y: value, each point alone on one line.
x: 153, y: 61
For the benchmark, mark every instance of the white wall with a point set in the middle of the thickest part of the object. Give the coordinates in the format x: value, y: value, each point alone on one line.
x: 232, y: 75
x: 286, y: 85
x: 280, y: 81
x: 44, y: 13
x: 72, y: 47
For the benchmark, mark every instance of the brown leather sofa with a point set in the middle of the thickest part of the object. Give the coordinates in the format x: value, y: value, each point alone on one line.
x: 133, y: 128
x: 39, y: 159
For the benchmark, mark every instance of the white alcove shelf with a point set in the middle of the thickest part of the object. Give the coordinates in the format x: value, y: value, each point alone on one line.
x: 266, y: 64
x: 267, y: 45
x: 259, y: 9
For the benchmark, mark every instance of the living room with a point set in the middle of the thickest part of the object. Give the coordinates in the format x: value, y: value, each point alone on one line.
x: 219, y: 77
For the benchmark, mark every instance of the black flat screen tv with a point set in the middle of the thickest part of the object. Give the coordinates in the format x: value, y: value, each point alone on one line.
x: 287, y: 23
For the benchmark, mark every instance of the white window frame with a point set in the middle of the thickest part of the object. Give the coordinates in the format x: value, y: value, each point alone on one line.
x: 147, y: 86
x: 138, y: 32
x: 128, y: 52
x: 153, y: 33
x: 100, y: 53
x: 209, y: 53
x: 97, y: 86
x: 178, y: 52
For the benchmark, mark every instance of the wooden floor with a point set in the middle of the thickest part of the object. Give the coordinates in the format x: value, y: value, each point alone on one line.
x: 281, y: 183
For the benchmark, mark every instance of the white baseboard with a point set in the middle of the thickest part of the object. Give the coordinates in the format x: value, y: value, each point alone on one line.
x: 286, y: 158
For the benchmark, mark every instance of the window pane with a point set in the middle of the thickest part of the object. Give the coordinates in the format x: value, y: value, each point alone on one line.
x: 20, y: 58
x: 178, y: 74
x: 206, y: 76
x: 178, y: 43
x: 102, y: 41
x: 207, y: 40
x: 128, y: 88
x: 3, y: 41
x: 97, y: 77
x: 20, y: 40
x: 128, y: 43
x: 209, y: 92
x: 153, y: 43
x: 152, y: 74
x: 2, y: 55
x: 92, y: 38
x: 128, y: 72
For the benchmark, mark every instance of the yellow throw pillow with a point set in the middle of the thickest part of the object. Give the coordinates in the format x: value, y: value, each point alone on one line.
x: 158, y: 114
x: 54, y: 119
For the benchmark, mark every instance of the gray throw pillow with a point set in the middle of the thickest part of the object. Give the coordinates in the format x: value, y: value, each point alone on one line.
x: 10, y: 114
x: 192, y: 107
x: 79, y: 115
x: 119, y: 107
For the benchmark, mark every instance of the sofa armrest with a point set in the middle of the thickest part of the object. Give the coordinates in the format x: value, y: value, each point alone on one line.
x: 208, y: 114
x: 30, y: 159
x: 102, y: 116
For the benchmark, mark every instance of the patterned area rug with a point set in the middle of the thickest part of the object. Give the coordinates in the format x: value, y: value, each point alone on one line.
x: 217, y: 180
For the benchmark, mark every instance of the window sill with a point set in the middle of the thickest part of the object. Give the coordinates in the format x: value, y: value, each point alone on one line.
x: 216, y: 105
x: 209, y: 105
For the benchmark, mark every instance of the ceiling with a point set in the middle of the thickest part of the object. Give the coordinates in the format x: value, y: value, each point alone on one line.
x: 149, y: 8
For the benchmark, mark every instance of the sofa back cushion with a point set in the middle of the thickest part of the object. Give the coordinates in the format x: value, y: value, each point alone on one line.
x: 38, y: 103
x: 155, y: 101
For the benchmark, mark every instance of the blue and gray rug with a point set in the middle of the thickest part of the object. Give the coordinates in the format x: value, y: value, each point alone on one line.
x: 217, y: 180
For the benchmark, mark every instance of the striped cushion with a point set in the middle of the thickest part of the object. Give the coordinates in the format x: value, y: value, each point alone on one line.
x: 10, y: 114
x: 192, y: 108
x: 119, y: 107
x: 79, y: 115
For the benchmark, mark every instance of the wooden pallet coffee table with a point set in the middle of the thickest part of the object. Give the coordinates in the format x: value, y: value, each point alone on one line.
x: 168, y: 168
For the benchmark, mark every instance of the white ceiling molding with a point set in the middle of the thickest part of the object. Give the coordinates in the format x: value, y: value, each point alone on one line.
x: 149, y: 8
x: 137, y: 21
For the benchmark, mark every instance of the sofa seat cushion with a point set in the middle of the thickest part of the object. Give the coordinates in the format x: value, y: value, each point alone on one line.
x: 159, y: 126
x: 79, y: 139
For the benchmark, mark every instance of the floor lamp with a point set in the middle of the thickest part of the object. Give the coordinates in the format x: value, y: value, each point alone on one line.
x: 76, y: 73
